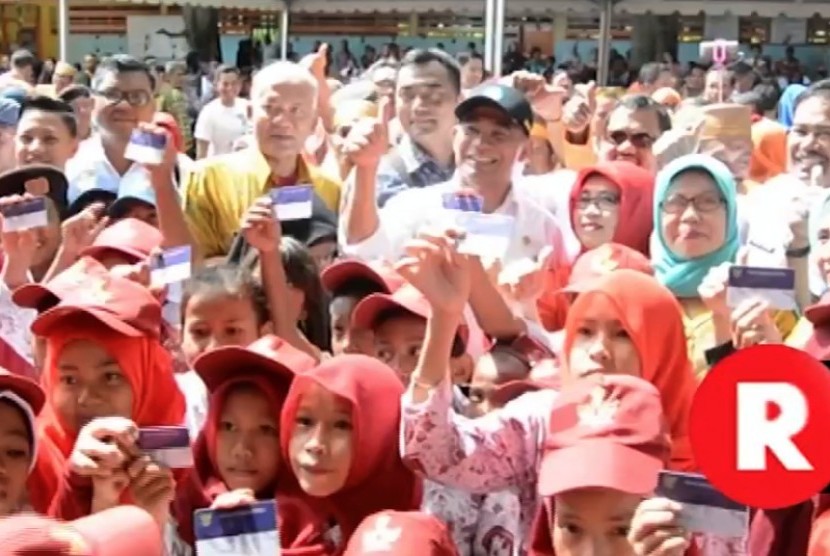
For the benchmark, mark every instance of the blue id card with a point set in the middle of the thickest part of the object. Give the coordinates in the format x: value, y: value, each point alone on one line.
x: 292, y: 202
x: 168, y: 446
x: 25, y: 215
x: 776, y: 286
x: 145, y: 147
x: 487, y: 235
x: 173, y: 265
x: 247, y: 531
x: 705, y: 509
x: 466, y: 202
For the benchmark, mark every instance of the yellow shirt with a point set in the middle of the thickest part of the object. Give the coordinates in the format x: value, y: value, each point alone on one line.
x: 219, y: 190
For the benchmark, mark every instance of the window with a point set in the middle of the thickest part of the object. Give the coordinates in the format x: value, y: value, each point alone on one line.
x: 691, y: 28
x: 754, y: 30
x: 818, y: 30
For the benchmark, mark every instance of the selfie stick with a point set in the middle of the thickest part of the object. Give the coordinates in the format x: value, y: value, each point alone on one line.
x: 720, y: 55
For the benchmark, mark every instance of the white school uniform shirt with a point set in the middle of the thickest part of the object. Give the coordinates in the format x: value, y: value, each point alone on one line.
x: 220, y: 126
x: 411, y: 211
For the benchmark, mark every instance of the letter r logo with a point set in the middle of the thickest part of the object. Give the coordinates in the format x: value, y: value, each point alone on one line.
x: 758, y: 423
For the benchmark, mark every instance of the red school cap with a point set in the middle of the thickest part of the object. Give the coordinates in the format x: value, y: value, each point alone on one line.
x: 120, y: 531
x: 24, y: 388
x: 271, y: 354
x: 44, y: 295
x: 602, y: 260
x: 130, y: 237
x: 337, y: 275
x: 401, y: 534
x: 605, y: 431
x: 122, y: 305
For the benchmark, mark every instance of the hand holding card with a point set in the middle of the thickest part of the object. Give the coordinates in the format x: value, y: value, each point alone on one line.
x: 292, y: 202
x: 146, y: 147
x: 24, y: 213
x: 167, y: 446
x: 775, y: 286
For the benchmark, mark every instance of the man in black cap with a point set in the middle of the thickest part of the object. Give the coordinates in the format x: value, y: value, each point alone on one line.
x: 490, y: 137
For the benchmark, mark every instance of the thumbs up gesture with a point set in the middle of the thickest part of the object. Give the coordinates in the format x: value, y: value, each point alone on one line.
x: 580, y: 109
x: 368, y: 140
x: 545, y: 99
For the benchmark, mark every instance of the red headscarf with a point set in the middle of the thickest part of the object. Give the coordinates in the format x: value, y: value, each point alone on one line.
x: 204, y: 483
x: 378, y: 479
x: 147, y: 366
x: 636, y: 187
x: 653, y: 319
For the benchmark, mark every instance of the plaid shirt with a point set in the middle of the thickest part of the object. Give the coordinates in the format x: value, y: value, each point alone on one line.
x: 423, y: 171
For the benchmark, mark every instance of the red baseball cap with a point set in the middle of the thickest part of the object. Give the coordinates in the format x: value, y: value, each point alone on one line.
x: 819, y: 313
x: 130, y: 237
x: 26, y: 389
x: 336, y: 275
x: 120, y: 531
x: 270, y: 354
x: 401, y: 534
x: 77, y: 276
x: 122, y: 305
x: 600, y: 261
x: 605, y: 431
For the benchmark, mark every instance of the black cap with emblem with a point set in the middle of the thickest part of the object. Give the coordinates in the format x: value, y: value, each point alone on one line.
x: 511, y: 102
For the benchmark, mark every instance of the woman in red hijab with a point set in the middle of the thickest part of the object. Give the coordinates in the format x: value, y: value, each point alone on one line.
x: 103, y: 359
x: 610, y: 202
x: 237, y: 453
x: 339, y: 430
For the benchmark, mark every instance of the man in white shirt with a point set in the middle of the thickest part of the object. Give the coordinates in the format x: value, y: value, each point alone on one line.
x: 492, y: 133
x: 224, y: 119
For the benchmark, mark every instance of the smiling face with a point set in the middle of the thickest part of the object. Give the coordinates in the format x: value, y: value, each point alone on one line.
x: 808, y: 142
x: 44, y: 138
x: 321, y: 445
x: 426, y: 102
x: 247, y: 440
x: 486, y: 146
x: 90, y: 384
x: 694, y: 215
x: 597, y: 212
x: 15, y: 456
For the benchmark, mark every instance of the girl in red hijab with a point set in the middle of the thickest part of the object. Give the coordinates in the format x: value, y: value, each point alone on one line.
x: 103, y: 359
x: 237, y: 456
x: 339, y: 431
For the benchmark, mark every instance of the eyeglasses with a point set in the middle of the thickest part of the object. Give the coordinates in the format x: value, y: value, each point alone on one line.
x: 639, y: 140
x: 133, y: 98
x: 677, y: 204
x: 603, y: 201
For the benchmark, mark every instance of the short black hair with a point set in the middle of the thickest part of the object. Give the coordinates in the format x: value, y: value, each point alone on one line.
x: 357, y: 288
x: 751, y: 99
x: 769, y: 94
x: 458, y: 346
x: 227, y: 70
x: 74, y: 92
x: 121, y: 63
x: 23, y: 59
x: 51, y: 105
x: 817, y: 89
x: 644, y: 102
x: 424, y: 56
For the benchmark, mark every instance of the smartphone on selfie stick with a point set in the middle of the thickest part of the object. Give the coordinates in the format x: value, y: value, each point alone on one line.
x: 721, y: 53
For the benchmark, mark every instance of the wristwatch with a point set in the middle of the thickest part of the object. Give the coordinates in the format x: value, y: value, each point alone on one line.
x: 798, y: 253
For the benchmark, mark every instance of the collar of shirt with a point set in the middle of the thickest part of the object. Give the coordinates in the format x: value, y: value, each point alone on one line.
x: 305, y: 173
x: 414, y: 157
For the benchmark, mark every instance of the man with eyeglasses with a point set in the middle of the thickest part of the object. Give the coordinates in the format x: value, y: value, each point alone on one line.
x: 633, y: 127
x: 124, y: 87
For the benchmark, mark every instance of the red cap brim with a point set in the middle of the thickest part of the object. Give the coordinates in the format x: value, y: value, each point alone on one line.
x: 219, y: 365
x: 598, y: 463
x: 32, y: 296
x: 99, y: 252
x: 27, y: 389
x: 336, y: 275
x: 46, y: 322
x: 366, y: 312
x: 121, y: 531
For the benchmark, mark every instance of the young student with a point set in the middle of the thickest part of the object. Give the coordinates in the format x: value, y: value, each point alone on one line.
x: 103, y: 359
x: 607, y: 443
x: 348, y: 282
x: 136, y: 199
x: 126, y: 242
x: 339, y: 434
x: 237, y: 455
x: 391, y: 533
x: 21, y: 400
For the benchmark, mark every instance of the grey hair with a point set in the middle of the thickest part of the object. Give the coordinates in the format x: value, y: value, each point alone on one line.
x: 283, y: 72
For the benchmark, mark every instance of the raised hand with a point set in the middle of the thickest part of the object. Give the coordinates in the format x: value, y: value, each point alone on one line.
x: 656, y: 531
x: 80, y: 231
x: 152, y: 488
x: 368, y: 139
x: 580, y: 108
x: 260, y: 227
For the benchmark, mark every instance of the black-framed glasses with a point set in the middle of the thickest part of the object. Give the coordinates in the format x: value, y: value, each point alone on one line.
x: 133, y: 98
x: 677, y: 204
x: 639, y: 140
x: 603, y: 201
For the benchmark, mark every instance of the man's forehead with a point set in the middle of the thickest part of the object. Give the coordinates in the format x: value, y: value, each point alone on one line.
x: 489, y: 114
x: 431, y: 73
x: 810, y: 108
x: 286, y: 88
x: 623, y: 117
x: 126, y: 79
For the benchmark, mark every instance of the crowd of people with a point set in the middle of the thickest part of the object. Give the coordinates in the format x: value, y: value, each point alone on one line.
x: 393, y: 389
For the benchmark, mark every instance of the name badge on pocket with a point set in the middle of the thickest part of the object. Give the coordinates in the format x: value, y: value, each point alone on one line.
x: 292, y: 202
x: 25, y: 215
x: 705, y: 509
x: 776, y: 286
x: 248, y: 531
x: 173, y: 265
x: 168, y: 446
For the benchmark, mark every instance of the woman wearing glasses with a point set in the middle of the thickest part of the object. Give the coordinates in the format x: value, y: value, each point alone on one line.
x: 696, y: 231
